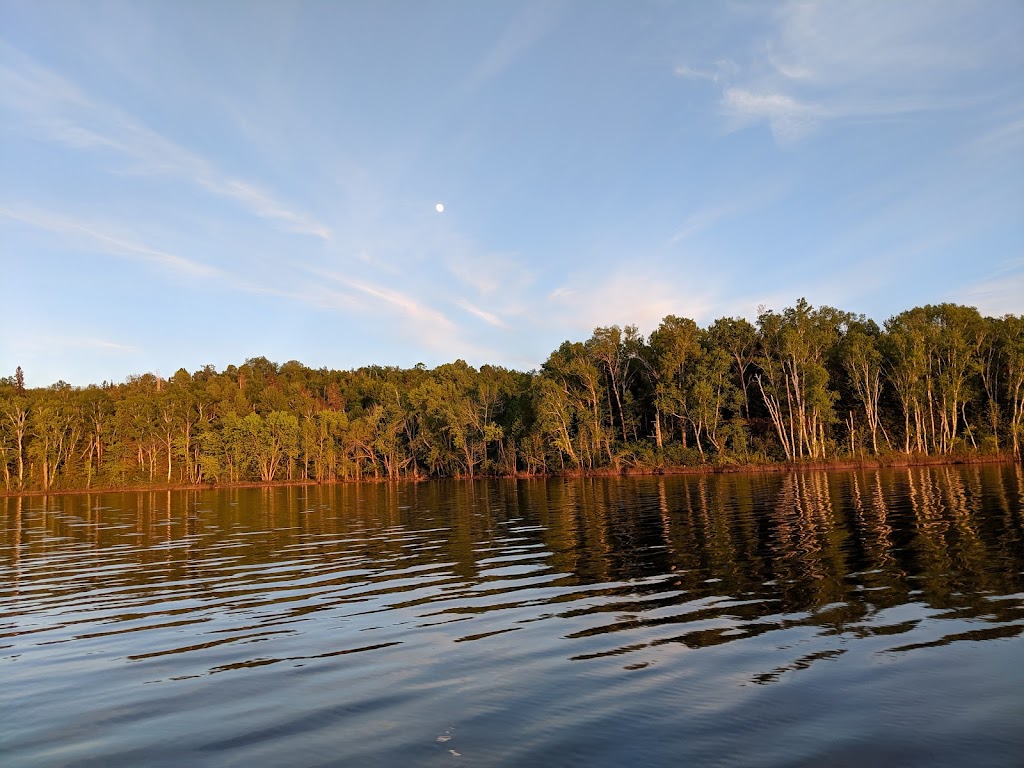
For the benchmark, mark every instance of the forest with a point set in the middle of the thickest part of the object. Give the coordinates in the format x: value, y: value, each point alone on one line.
x: 807, y: 384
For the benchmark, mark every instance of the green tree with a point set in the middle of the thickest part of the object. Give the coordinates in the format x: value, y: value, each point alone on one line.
x: 1013, y: 327
x: 862, y: 361
x: 56, y: 425
x: 708, y: 391
x: 908, y: 341
x: 737, y: 338
x: 273, y: 440
x: 14, y: 413
x: 570, y: 406
x: 323, y: 441
x: 794, y: 379
x: 97, y: 413
x: 674, y: 345
x: 612, y: 349
x: 992, y: 366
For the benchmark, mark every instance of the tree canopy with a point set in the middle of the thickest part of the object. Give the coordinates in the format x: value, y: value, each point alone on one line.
x: 806, y: 383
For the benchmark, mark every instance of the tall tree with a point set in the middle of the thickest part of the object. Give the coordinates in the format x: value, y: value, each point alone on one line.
x: 612, y: 348
x: 675, y: 345
x: 14, y: 412
x: 57, y: 426
x: 738, y: 338
x: 907, y: 342
x: 708, y: 391
x: 1014, y: 348
x: 97, y: 412
x: 794, y: 379
x: 862, y: 360
x: 577, y: 413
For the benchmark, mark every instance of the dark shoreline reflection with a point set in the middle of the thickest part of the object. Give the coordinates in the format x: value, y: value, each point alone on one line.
x: 837, y: 549
x: 567, y: 591
x: 840, y: 546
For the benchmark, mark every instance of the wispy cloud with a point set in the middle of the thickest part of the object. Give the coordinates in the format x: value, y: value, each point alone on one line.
x: 487, y: 317
x: 1003, y: 138
x: 405, y: 304
x: 485, y: 272
x: 738, y: 203
x: 527, y: 28
x: 623, y: 298
x: 402, y: 314
x: 723, y: 70
x: 262, y: 204
x: 88, y: 343
x: 828, y: 61
x: 85, y: 357
x: 56, y: 109
x: 100, y: 238
x: 703, y: 219
x: 51, y: 342
x: 789, y: 119
x: 1000, y: 293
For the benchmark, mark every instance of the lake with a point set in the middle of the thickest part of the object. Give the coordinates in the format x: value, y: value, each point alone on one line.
x: 818, y: 619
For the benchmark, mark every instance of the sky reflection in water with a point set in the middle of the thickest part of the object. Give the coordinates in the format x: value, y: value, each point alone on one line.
x: 773, y: 619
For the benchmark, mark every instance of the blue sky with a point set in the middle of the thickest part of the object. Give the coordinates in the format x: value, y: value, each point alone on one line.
x: 187, y: 183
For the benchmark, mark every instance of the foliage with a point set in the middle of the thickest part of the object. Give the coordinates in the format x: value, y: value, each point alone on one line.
x: 803, y: 383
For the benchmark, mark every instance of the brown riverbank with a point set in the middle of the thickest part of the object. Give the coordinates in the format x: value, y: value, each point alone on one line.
x: 883, y: 462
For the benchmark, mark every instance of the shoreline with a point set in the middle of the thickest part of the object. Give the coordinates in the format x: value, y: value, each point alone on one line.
x: 834, y: 465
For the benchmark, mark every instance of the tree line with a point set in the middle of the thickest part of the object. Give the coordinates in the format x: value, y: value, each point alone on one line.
x: 804, y: 384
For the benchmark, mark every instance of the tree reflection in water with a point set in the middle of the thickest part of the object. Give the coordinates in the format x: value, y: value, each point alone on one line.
x: 656, y: 601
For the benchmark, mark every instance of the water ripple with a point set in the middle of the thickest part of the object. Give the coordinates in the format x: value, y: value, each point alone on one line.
x: 678, y: 607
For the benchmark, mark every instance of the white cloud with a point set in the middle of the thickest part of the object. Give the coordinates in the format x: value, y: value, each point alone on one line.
x: 526, y: 29
x: 828, y: 61
x: 721, y: 72
x: 433, y: 319
x: 1000, y: 294
x: 1009, y: 136
x: 50, y: 342
x: 768, y: 105
x: 59, y: 111
x: 402, y: 314
x: 487, y: 317
x: 99, y: 237
x: 623, y: 298
x: 738, y: 203
x: 89, y: 343
x: 262, y: 204
x: 789, y: 119
x: 487, y: 273
x: 561, y: 293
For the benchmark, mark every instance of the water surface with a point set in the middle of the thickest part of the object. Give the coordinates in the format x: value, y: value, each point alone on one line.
x: 736, y: 620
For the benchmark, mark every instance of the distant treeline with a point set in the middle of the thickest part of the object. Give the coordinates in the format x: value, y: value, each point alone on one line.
x: 802, y: 384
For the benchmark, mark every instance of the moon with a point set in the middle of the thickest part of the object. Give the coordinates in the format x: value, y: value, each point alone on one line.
x: 439, y: 208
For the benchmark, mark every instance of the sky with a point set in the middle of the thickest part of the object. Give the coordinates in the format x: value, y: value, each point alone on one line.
x: 186, y: 184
